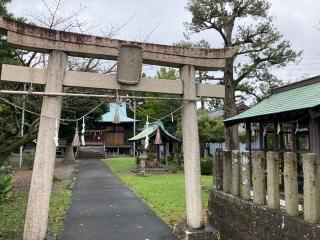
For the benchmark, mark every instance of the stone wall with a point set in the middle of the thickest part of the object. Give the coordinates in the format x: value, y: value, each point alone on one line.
x: 237, y: 219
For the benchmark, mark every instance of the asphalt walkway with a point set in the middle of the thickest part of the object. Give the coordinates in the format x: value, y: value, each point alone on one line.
x: 103, y: 208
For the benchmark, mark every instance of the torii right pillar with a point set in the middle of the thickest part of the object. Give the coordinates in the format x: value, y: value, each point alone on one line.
x: 191, y: 152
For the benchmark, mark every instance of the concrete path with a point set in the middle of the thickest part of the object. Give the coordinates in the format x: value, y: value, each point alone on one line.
x: 103, y: 208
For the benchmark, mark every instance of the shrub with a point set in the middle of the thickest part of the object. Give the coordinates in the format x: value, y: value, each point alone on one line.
x: 206, y: 166
x: 5, y: 184
x: 28, y: 160
x: 152, y: 156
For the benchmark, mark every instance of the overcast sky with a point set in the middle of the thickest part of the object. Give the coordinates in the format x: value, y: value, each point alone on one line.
x: 295, y: 19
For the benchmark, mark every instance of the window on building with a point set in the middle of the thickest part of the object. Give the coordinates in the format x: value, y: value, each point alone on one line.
x: 270, y: 136
x: 303, y: 137
x: 255, y: 136
x: 287, y: 135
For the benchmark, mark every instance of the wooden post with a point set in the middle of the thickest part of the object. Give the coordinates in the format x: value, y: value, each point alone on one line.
x: 245, y: 176
x: 227, y: 171
x: 311, y: 188
x: 314, y: 129
x: 291, y: 183
x: 273, y: 176
x: 235, y: 172
x: 218, y: 170
x: 191, y: 150
x: 248, y: 148
x: 42, y: 175
x: 166, y: 151
x: 258, y: 178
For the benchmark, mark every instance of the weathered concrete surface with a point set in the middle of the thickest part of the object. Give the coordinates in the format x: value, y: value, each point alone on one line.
x: 235, y: 173
x: 207, y: 233
x: 31, y: 37
x: 245, y: 176
x: 129, y: 64
x: 103, y: 208
x: 42, y: 175
x: 273, y: 175
x: 218, y: 170
x: 191, y: 150
x: 227, y: 171
x: 237, y: 219
x: 311, y: 188
x: 258, y: 177
x: 291, y: 183
x: 13, y: 73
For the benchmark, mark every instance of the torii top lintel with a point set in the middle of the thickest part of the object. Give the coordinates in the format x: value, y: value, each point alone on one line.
x: 30, y: 37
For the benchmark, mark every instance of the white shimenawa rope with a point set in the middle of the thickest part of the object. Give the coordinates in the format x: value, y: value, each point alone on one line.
x: 60, y: 119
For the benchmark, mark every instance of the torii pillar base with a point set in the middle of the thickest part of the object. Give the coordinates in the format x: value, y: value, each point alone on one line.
x: 205, y: 233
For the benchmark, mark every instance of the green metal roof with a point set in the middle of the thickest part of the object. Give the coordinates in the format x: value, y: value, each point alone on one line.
x: 304, y: 97
x: 151, y: 131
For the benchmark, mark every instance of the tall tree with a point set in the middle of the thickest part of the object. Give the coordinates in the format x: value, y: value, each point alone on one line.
x: 51, y: 17
x: 245, y: 24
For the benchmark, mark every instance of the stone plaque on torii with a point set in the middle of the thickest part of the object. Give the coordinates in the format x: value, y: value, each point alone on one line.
x: 130, y: 57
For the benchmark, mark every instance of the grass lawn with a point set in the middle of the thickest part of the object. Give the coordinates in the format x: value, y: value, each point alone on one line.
x: 12, y: 213
x: 163, y: 193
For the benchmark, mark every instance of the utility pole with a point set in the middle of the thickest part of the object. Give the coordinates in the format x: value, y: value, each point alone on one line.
x: 22, y: 125
x: 134, y: 125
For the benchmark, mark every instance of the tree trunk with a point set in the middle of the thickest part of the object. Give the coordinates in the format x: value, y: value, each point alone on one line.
x: 11, y: 145
x: 232, y: 138
x: 69, y: 154
x: 202, y: 105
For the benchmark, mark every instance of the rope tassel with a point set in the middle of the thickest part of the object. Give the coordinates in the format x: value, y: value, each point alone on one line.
x: 116, y: 119
x: 76, y: 140
x: 158, y: 139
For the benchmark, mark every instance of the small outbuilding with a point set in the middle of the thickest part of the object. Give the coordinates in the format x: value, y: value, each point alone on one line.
x: 157, y: 135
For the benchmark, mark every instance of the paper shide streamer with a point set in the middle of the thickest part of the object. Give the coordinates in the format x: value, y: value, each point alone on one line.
x: 56, y: 136
x: 146, y: 141
x: 83, y: 131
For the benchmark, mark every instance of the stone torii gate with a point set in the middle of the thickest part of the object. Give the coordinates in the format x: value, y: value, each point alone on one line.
x: 130, y: 58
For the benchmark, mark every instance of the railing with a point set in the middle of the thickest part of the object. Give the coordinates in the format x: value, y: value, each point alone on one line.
x: 232, y: 173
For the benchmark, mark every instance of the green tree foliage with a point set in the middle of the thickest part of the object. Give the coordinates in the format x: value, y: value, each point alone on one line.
x: 245, y: 24
x: 210, y: 130
x: 5, y: 185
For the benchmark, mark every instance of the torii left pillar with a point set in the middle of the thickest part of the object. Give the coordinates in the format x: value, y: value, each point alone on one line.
x: 40, y: 191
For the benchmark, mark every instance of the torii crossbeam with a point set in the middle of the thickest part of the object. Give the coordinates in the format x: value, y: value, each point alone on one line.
x: 60, y: 45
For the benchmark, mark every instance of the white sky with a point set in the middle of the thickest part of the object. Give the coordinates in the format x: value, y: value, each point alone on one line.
x: 295, y: 19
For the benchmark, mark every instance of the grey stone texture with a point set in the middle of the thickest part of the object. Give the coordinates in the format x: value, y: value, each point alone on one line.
x: 311, y: 188
x: 258, y: 177
x: 237, y: 219
x: 273, y: 175
x: 291, y: 183
x: 245, y: 176
x: 235, y: 189
x: 227, y: 171
x: 206, y: 233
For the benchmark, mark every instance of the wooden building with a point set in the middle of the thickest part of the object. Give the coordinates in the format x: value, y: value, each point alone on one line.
x: 287, y: 120
x: 112, y: 130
